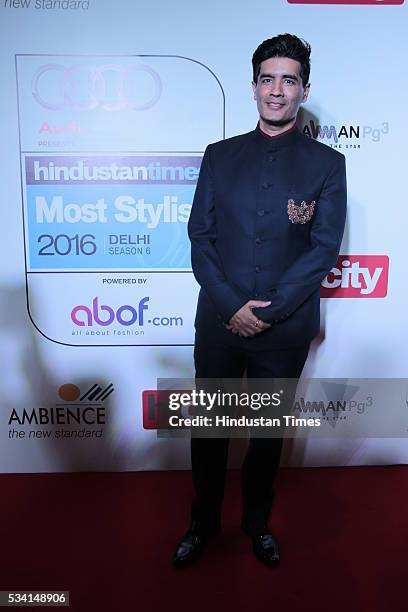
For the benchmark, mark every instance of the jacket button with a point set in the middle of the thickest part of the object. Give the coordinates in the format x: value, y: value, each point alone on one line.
x: 265, y: 185
x: 256, y: 294
x: 261, y: 213
x: 257, y: 269
x: 258, y: 241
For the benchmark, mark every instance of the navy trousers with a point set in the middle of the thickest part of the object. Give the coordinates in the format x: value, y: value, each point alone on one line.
x: 209, y: 455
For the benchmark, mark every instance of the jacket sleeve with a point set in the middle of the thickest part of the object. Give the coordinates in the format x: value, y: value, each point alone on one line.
x: 202, y: 231
x: 304, y: 276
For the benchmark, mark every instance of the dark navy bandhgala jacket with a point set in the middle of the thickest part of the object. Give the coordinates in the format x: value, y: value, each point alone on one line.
x: 247, y: 243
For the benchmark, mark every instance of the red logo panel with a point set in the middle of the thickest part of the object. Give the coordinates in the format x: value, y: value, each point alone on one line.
x: 357, y: 276
x: 155, y: 406
x: 150, y: 409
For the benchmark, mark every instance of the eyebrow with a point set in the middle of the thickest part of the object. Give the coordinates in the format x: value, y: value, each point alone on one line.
x: 284, y: 76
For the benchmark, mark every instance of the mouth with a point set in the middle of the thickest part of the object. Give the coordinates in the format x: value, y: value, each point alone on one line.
x: 274, y: 105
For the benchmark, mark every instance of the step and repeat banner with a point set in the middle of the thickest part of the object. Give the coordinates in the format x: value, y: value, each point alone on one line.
x: 107, y: 199
x: 106, y: 111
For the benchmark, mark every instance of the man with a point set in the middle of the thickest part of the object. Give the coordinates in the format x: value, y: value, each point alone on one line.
x: 265, y: 228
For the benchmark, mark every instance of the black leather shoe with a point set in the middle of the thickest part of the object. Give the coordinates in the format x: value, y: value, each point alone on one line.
x: 191, y: 547
x: 265, y: 546
x: 266, y: 549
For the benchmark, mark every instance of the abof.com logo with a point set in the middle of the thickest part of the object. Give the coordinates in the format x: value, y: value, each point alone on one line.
x: 346, y: 2
x: 357, y: 276
x: 126, y: 315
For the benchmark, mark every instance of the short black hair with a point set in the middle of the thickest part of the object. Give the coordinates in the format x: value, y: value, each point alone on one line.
x: 283, y: 45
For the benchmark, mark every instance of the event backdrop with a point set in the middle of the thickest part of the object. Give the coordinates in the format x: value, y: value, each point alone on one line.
x: 106, y: 110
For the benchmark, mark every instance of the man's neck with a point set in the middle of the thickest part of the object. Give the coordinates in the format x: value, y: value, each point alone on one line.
x: 272, y: 131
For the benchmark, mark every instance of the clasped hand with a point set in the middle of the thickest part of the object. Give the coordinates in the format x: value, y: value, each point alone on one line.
x: 245, y: 323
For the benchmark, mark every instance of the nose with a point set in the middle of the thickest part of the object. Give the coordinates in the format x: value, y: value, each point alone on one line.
x: 276, y: 88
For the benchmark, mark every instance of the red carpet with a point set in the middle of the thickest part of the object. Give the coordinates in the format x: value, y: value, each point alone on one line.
x: 108, y: 539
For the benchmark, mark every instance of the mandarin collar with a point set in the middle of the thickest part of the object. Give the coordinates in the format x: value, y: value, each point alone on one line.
x: 287, y: 138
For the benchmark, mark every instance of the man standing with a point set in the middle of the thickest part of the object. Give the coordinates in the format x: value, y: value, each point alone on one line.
x: 265, y: 228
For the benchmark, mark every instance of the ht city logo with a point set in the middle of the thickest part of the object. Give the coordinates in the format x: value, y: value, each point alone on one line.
x: 361, y: 276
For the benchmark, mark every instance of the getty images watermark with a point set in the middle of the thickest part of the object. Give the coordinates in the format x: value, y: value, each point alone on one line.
x: 225, y: 401
x: 281, y: 408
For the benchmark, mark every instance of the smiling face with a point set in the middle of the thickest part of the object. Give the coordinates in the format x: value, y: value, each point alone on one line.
x: 279, y: 92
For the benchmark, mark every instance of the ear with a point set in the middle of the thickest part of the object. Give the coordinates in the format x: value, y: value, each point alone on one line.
x: 306, y: 90
x: 254, y: 89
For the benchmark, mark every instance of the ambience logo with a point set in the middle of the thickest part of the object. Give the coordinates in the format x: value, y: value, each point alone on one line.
x: 70, y: 392
x: 72, y: 5
x: 77, y: 407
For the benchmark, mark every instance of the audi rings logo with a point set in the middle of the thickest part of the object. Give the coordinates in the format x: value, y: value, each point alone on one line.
x: 110, y: 87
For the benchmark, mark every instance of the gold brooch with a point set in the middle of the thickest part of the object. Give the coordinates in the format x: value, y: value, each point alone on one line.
x: 302, y: 213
